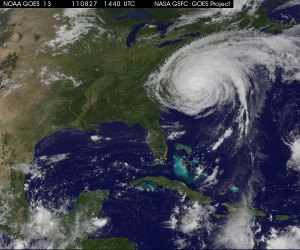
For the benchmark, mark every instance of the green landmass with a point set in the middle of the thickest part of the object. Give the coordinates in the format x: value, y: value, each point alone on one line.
x: 106, y: 96
x: 232, y: 208
x: 177, y: 186
x: 5, y: 31
x: 21, y: 203
x: 108, y: 244
x: 88, y: 206
x: 235, y: 208
x: 18, y: 214
x: 280, y: 217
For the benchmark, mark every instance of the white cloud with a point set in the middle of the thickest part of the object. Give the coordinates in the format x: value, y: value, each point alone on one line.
x: 227, y: 134
x: 48, y: 77
x: 188, y: 219
x: 287, y: 5
x: 99, y: 222
x: 42, y: 222
x: 237, y: 232
x: 77, y: 23
x: 19, y: 244
x: 54, y: 158
x: 294, y: 161
x: 174, y: 135
x: 210, y: 180
x: 289, y: 238
x: 2, y: 10
x: 218, y: 15
x: 99, y: 138
x: 8, y: 85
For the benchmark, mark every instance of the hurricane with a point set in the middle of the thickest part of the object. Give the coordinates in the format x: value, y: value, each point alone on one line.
x: 225, y: 70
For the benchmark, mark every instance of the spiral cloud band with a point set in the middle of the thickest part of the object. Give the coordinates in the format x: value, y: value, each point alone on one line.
x: 220, y: 70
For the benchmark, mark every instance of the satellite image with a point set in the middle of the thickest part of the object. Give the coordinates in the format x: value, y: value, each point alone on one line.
x: 154, y: 128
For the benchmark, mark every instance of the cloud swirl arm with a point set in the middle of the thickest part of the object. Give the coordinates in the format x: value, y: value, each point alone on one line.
x: 219, y: 70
